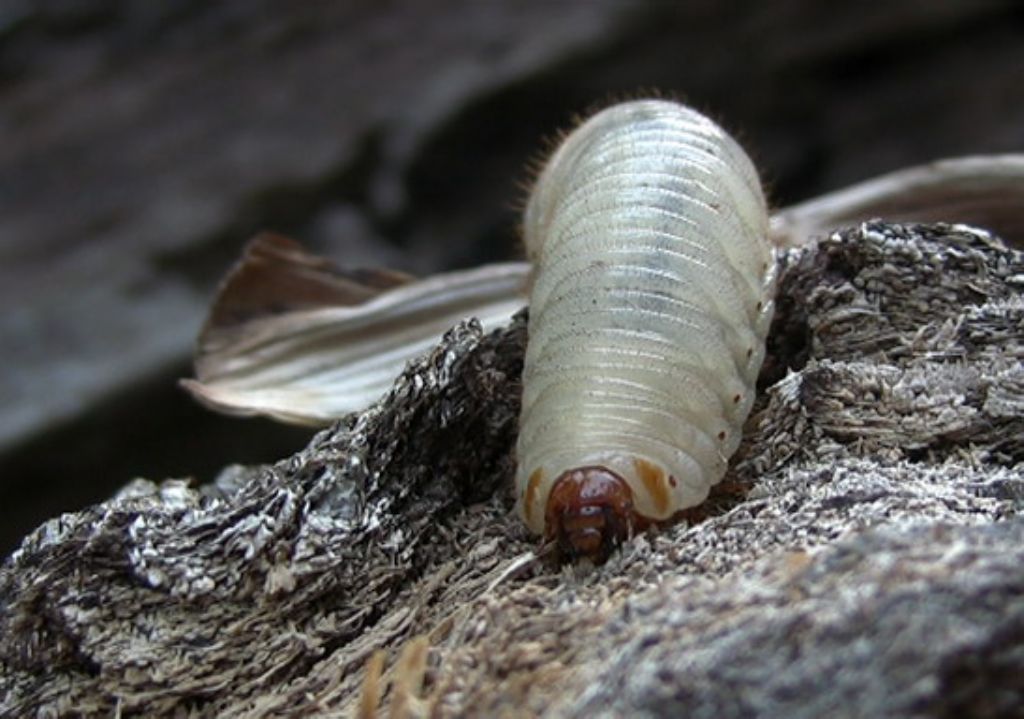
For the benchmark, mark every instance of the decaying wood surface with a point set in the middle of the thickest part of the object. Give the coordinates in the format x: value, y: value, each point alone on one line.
x: 865, y: 556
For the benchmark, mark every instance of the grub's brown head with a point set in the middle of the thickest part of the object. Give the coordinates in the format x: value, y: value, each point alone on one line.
x: 589, y: 513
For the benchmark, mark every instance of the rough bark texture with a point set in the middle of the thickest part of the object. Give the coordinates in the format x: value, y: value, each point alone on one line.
x: 864, y: 558
x: 145, y: 142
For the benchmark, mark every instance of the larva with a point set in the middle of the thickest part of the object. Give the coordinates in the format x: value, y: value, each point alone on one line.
x: 649, y: 306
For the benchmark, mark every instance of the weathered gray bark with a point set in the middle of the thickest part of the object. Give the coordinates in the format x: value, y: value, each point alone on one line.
x: 867, y: 559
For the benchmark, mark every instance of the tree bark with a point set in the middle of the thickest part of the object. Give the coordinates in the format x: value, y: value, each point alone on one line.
x: 862, y: 557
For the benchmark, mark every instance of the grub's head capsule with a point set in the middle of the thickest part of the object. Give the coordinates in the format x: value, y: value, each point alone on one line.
x: 589, y: 512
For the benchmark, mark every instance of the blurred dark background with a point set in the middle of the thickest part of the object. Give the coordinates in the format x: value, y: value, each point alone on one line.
x: 144, y: 142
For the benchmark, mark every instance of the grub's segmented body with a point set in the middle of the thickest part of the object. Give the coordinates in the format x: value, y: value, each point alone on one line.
x: 649, y: 307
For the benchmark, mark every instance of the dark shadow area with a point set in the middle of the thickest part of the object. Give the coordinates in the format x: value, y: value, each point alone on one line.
x: 153, y: 430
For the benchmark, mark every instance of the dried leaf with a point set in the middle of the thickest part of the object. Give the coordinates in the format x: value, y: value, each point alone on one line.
x: 293, y: 338
x: 984, y: 191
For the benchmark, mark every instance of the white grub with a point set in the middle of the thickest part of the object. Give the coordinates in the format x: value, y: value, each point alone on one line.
x: 649, y: 307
